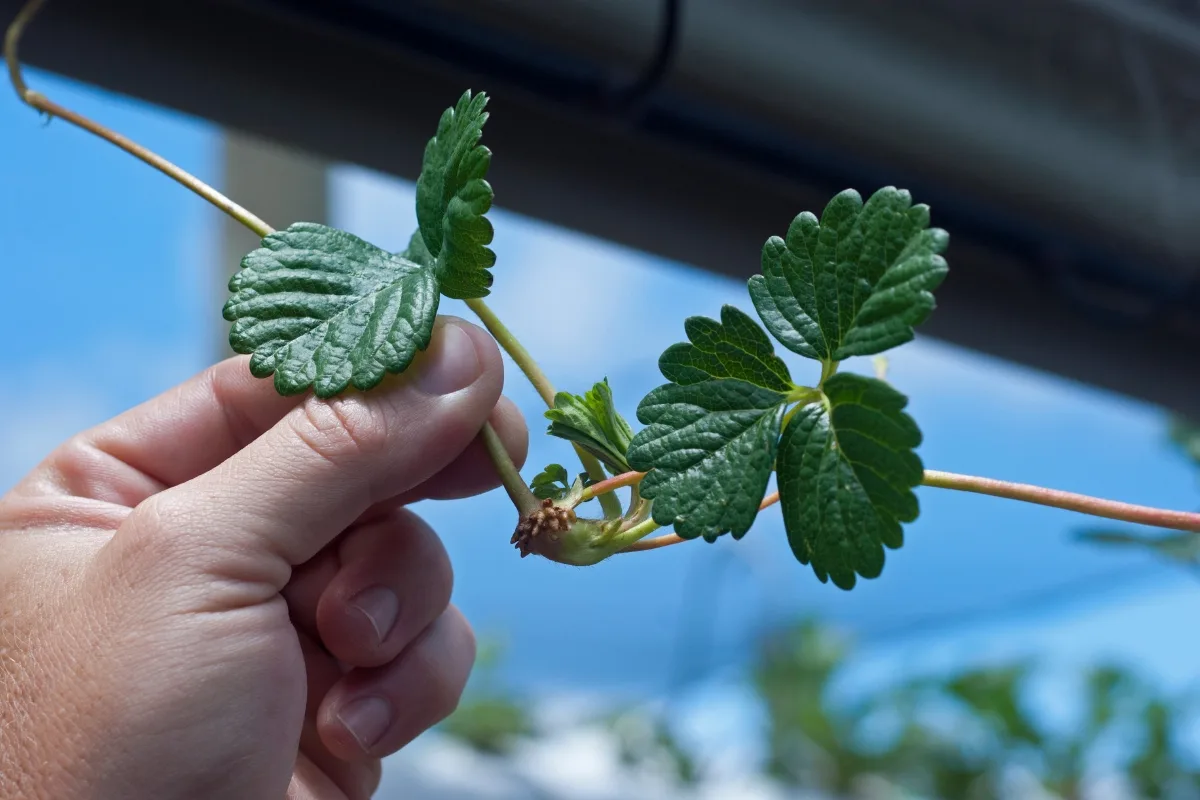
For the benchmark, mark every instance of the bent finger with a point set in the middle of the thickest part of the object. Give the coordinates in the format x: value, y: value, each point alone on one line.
x: 374, y: 712
x: 371, y: 594
x: 395, y: 579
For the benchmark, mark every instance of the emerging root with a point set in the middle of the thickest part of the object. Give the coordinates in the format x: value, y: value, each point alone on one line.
x: 549, y: 520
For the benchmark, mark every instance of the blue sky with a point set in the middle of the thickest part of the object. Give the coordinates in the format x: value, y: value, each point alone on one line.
x: 113, y: 298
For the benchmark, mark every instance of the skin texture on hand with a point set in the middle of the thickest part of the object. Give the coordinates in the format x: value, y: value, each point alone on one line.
x: 220, y: 593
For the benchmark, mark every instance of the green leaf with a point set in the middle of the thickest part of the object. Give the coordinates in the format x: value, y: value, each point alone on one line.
x: 846, y: 472
x: 552, y: 483
x: 856, y: 282
x: 735, y: 347
x: 417, y: 252
x: 709, y: 448
x: 592, y: 422
x: 452, y: 199
x: 320, y: 307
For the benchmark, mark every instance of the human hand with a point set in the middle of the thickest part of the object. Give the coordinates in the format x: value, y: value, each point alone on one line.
x: 220, y: 593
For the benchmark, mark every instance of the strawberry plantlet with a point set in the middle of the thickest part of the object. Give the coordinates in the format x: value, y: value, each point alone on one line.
x: 320, y: 310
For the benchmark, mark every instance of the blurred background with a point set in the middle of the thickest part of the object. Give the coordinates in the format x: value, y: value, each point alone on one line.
x: 643, y: 153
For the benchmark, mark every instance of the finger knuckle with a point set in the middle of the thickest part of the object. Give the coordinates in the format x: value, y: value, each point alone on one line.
x: 342, y: 429
x: 79, y: 467
x: 153, y: 539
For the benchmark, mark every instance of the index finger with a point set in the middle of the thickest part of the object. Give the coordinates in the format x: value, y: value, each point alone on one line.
x: 192, y: 428
x: 279, y: 500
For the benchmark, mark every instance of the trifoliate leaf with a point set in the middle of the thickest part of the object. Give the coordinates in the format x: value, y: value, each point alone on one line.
x: 735, y: 347
x: 321, y: 307
x: 856, y: 282
x: 452, y: 198
x: 592, y: 422
x: 846, y: 472
x: 708, y: 449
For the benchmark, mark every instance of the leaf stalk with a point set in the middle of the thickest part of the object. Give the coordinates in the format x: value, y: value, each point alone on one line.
x: 610, y: 504
x: 510, y: 476
x: 611, y: 484
x: 674, y: 538
x: 43, y: 104
x: 1024, y: 492
x: 1069, y: 501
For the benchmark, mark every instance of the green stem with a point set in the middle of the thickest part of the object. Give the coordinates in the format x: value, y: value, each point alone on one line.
x: 640, y: 543
x: 43, y: 104
x: 514, y: 348
x: 631, y: 540
x: 1094, y: 506
x: 828, y: 370
x: 510, y: 477
x: 610, y: 503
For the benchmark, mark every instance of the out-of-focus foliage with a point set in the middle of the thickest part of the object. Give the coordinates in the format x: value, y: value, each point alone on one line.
x: 645, y: 739
x: 959, y: 736
x: 490, y: 719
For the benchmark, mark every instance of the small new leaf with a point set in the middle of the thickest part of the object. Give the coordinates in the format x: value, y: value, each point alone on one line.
x: 708, y: 449
x: 846, y: 475
x: 551, y: 483
x: 855, y: 283
x: 735, y: 347
x: 320, y: 307
x: 592, y: 422
x: 452, y: 199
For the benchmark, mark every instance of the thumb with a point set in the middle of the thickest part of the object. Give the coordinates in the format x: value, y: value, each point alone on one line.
x: 277, y: 502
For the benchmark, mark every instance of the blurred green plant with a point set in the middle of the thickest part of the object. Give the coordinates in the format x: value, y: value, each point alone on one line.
x: 1160, y: 768
x: 645, y: 739
x: 812, y: 742
x: 956, y: 736
x: 491, y: 719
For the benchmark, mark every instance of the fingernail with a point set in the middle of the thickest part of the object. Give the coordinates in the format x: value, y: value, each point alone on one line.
x: 453, y: 364
x: 379, y: 605
x: 367, y: 720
